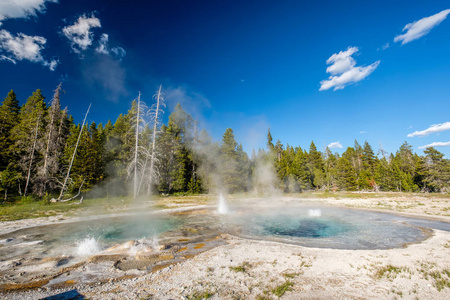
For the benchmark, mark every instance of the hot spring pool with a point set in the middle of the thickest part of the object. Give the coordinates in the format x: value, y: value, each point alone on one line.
x: 324, y: 227
x: 85, y: 238
x: 337, y: 228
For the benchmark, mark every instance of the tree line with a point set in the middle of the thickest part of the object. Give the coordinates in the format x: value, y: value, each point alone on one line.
x: 359, y: 168
x: 44, y: 153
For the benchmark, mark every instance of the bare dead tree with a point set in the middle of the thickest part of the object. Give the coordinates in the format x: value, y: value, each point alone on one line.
x: 79, y: 192
x: 55, y: 111
x: 136, y: 146
x: 382, y: 151
x: 53, y: 146
x: 155, y: 113
x: 135, y: 165
x: 73, y: 155
x: 32, y: 154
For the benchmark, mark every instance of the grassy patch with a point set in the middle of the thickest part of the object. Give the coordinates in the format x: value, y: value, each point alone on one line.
x: 289, y: 275
x: 441, y: 280
x: 388, y: 271
x: 30, y: 208
x: 200, y: 295
x: 282, y: 289
x: 244, y: 267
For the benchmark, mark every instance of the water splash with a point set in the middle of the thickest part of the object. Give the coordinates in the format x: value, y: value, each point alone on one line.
x: 315, y: 212
x: 223, y: 206
x: 88, y: 246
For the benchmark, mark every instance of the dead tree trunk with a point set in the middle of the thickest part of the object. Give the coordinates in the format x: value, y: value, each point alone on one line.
x: 55, y: 107
x: 73, y: 155
x: 135, y: 192
x: 159, y: 98
x: 32, y: 156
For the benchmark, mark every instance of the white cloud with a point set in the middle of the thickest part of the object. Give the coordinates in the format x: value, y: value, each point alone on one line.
x: 343, y: 70
x: 10, y: 9
x: 3, y: 57
x: 24, y: 47
x: 80, y: 34
x: 103, y: 48
x: 436, y: 144
x: 432, y: 129
x: 418, y: 29
x: 51, y: 64
x: 335, y: 145
x: 103, y: 44
x: 118, y: 52
x: 342, y: 62
x: 362, y: 132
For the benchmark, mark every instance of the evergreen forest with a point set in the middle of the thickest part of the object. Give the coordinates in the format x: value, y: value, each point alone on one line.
x: 44, y: 153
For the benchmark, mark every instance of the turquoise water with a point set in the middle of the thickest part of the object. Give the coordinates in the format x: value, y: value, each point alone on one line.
x: 323, y: 227
x: 94, y: 235
x: 337, y: 228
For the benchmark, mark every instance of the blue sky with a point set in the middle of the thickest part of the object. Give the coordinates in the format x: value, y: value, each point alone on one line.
x: 328, y: 71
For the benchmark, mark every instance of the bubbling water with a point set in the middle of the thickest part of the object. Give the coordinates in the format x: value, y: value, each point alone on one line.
x: 88, y: 246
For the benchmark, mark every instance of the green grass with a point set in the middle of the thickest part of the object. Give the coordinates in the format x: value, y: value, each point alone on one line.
x: 441, y: 279
x: 244, y: 267
x: 282, y: 289
x: 290, y: 275
x: 388, y: 271
x: 29, y: 208
x: 201, y: 295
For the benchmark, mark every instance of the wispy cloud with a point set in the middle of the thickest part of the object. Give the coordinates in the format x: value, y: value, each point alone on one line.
x: 107, y: 73
x: 436, y: 144
x: 362, y: 132
x: 335, y: 145
x: 418, y: 29
x: 3, y: 57
x: 432, y: 129
x: 80, y: 34
x: 24, y: 47
x: 103, y: 48
x: 385, y: 46
x: 103, y: 44
x: 343, y: 70
x: 11, y: 9
x: 193, y: 102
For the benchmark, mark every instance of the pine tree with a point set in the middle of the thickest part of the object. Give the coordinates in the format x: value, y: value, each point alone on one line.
x: 346, y: 175
x: 235, y: 164
x: 181, y: 127
x: 270, y: 145
x: 329, y: 169
x: 27, y: 136
x: 437, y: 175
x: 316, y: 166
x: 9, y: 112
x: 301, y: 170
x: 404, y: 167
